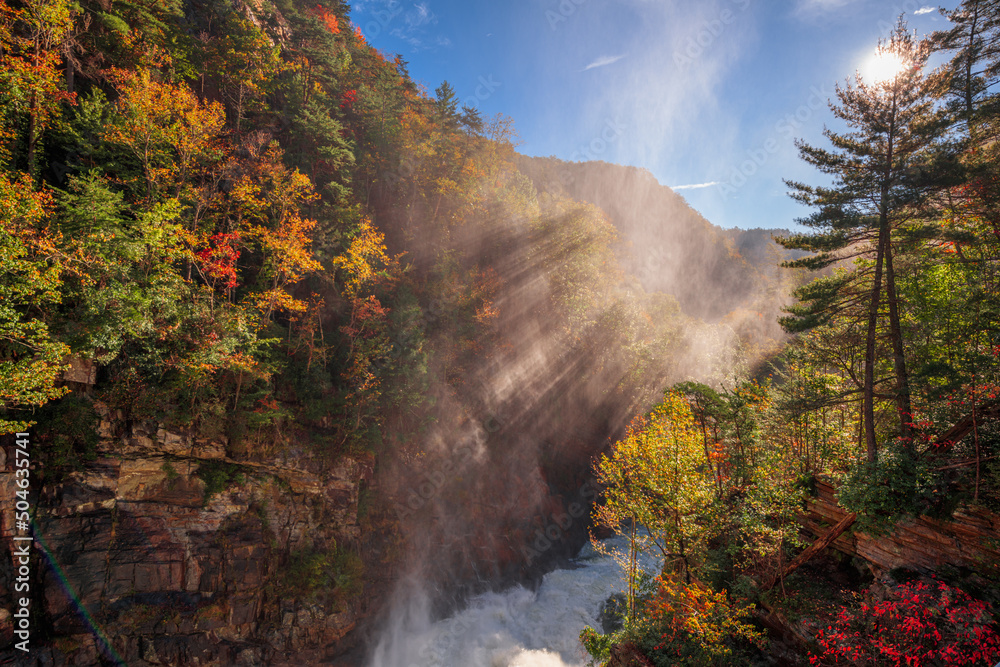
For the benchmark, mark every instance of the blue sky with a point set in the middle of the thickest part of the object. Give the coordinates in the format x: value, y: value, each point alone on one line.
x: 702, y: 93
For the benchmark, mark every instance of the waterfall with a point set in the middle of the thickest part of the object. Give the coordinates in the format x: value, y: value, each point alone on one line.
x: 514, y: 628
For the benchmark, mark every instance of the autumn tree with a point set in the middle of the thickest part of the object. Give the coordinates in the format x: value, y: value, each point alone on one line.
x: 238, y: 58
x: 31, y: 358
x: 31, y: 82
x: 655, y: 480
x: 165, y: 128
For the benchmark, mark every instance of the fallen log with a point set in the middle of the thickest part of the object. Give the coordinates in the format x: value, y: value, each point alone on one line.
x: 952, y: 436
x: 813, y: 549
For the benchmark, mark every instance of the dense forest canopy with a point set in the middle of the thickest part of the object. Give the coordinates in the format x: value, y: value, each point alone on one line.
x: 254, y: 227
x: 251, y: 225
x: 248, y: 218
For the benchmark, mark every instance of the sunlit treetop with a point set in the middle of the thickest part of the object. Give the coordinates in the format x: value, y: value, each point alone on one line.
x: 881, y: 67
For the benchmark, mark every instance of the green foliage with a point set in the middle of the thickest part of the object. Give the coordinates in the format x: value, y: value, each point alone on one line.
x: 229, y: 267
x: 219, y: 476
x: 684, y: 624
x: 171, y: 473
x: 803, y: 595
x: 897, y: 486
x: 68, y: 430
x: 337, y: 572
x: 596, y: 644
x: 655, y: 477
x: 328, y: 159
x: 575, y: 250
x: 30, y: 357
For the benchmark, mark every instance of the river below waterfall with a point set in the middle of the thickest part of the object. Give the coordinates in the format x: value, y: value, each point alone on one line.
x: 514, y: 628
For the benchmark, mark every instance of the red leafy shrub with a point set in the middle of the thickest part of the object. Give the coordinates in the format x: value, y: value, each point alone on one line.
x: 920, y: 624
x: 218, y: 260
x: 350, y: 97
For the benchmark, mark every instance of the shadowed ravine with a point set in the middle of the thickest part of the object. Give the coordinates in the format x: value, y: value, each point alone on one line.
x: 514, y: 628
x: 302, y: 363
x: 497, y: 487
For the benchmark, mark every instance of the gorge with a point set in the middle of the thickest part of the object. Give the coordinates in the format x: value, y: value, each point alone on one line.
x: 303, y: 364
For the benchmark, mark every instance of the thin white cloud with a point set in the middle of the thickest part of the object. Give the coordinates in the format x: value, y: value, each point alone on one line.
x: 419, y: 16
x: 603, y: 61
x: 415, y: 42
x: 411, y: 24
x: 694, y: 186
x: 924, y: 10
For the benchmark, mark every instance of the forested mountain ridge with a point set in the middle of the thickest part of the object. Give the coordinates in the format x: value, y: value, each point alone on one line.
x: 282, y: 326
x: 732, y: 275
x: 672, y: 248
x: 301, y: 348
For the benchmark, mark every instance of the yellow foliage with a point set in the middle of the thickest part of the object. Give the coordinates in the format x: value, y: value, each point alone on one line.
x: 163, y: 125
x: 364, y: 260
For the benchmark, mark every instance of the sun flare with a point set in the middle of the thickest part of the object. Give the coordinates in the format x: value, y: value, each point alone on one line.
x: 881, y: 67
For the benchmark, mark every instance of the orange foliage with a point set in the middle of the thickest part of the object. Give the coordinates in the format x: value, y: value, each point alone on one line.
x: 163, y: 125
x: 327, y: 18
x: 687, y: 612
x: 365, y: 259
x: 31, y: 77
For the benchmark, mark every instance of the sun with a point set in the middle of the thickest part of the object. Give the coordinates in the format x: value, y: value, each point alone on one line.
x: 881, y: 67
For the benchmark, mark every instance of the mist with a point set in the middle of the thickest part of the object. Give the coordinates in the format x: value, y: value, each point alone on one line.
x: 595, y: 311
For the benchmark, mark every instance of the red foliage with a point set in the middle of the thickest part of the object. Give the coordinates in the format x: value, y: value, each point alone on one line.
x: 348, y: 100
x: 920, y: 625
x: 218, y: 261
x: 266, y: 404
x: 367, y: 317
x: 327, y: 18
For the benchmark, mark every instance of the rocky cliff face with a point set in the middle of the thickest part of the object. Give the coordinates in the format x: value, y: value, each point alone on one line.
x: 968, y: 539
x: 165, y: 551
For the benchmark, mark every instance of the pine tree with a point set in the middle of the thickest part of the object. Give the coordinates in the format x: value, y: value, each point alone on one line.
x: 974, y: 40
x: 966, y: 86
x: 892, y: 126
x: 446, y: 106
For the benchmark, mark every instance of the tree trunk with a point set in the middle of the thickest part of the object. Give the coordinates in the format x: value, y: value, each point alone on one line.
x: 822, y: 543
x: 868, y: 411
x: 32, y: 132
x: 903, y: 406
x: 881, y: 252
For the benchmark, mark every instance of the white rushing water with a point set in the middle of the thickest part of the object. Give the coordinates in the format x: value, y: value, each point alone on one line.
x: 515, y: 628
